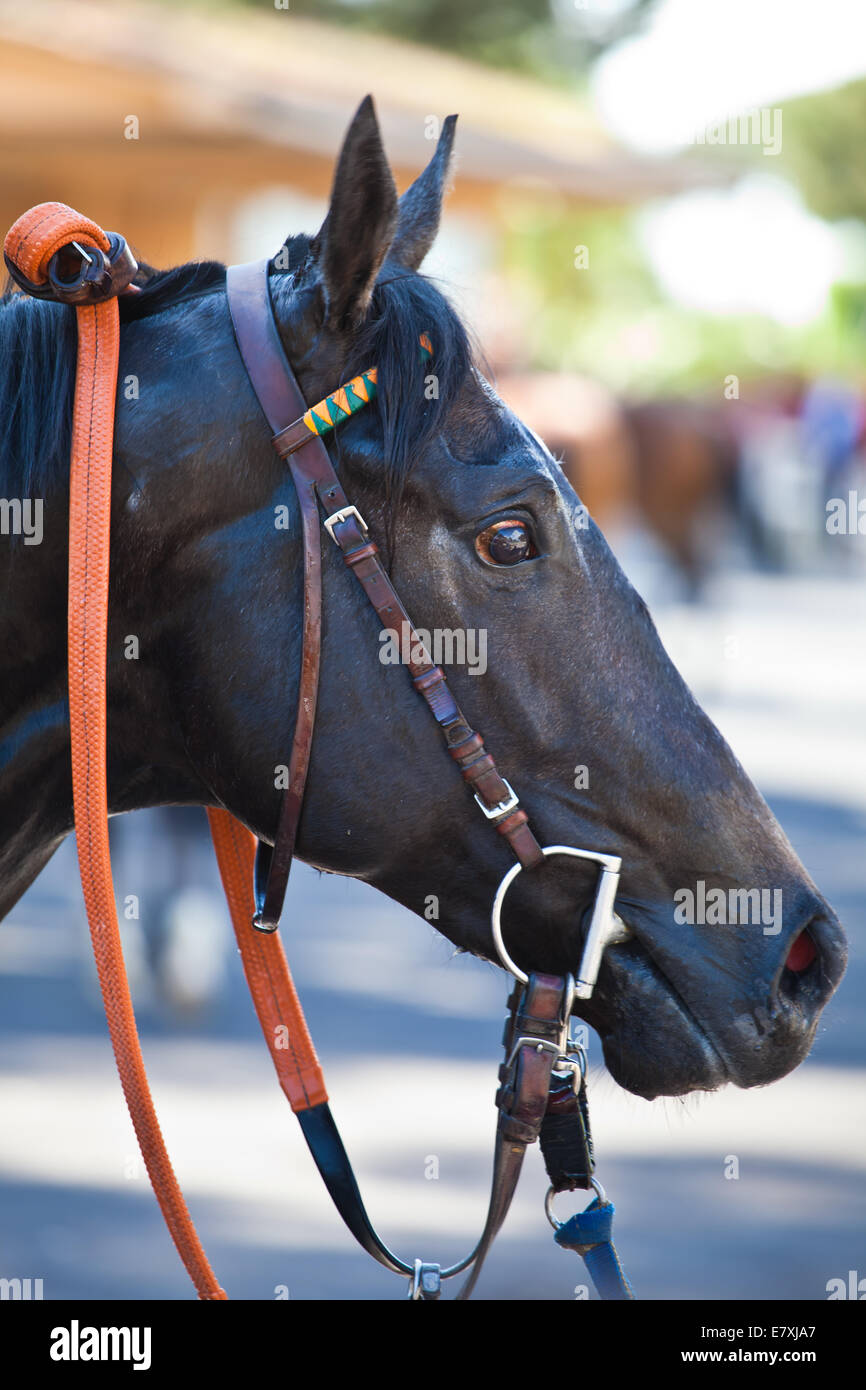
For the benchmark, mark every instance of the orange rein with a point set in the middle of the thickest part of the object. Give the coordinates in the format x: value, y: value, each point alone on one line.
x: 30, y: 245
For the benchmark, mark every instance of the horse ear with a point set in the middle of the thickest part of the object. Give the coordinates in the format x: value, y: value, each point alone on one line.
x: 357, y: 232
x: 421, y: 204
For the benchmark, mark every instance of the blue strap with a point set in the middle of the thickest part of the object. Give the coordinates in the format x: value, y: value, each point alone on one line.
x: 590, y: 1233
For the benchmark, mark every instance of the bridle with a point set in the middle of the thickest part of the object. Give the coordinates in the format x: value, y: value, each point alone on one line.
x: 317, y: 486
x: 542, y: 1093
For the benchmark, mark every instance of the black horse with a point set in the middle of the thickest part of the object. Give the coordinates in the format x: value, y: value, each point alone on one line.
x: 206, y: 578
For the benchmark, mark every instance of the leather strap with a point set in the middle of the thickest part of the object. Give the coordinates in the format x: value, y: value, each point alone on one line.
x: 288, y: 1040
x: 273, y: 992
x: 316, y: 482
x: 533, y: 1039
x: 280, y: 399
x: 522, y: 1101
x: 326, y: 1146
x: 315, y: 479
x: 565, y: 1138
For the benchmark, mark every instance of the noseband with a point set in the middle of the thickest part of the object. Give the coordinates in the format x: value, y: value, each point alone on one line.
x: 542, y: 1092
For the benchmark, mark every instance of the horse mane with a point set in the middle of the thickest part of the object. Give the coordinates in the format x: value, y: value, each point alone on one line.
x: 38, y: 351
x: 38, y: 354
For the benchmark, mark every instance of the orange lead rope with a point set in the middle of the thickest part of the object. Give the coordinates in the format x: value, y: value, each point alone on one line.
x: 30, y: 245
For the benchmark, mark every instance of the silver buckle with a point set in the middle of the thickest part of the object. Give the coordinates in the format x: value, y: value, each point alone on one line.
x: 336, y: 517
x: 560, y: 1048
x: 491, y: 812
x: 537, y: 1045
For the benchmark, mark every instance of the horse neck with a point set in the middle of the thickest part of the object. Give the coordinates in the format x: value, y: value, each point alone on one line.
x: 35, y: 779
x: 194, y: 484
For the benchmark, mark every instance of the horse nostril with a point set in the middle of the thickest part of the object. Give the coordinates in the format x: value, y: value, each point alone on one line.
x: 800, y: 979
x: 801, y: 954
x: 814, y: 965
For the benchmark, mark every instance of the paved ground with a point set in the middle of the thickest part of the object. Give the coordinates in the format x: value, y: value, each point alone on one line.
x: 409, y: 1037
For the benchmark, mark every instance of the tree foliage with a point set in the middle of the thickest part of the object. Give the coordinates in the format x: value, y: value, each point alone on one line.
x: 822, y: 149
x: 549, y: 38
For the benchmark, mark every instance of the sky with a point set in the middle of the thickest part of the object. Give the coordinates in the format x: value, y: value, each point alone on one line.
x: 700, y: 60
x: 756, y: 248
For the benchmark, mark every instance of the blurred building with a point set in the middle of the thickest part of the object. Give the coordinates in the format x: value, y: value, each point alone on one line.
x: 196, y: 131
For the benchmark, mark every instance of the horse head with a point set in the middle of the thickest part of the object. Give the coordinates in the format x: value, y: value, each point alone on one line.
x: 550, y: 651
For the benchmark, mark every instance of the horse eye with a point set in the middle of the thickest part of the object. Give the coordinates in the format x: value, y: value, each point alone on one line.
x: 505, y: 543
